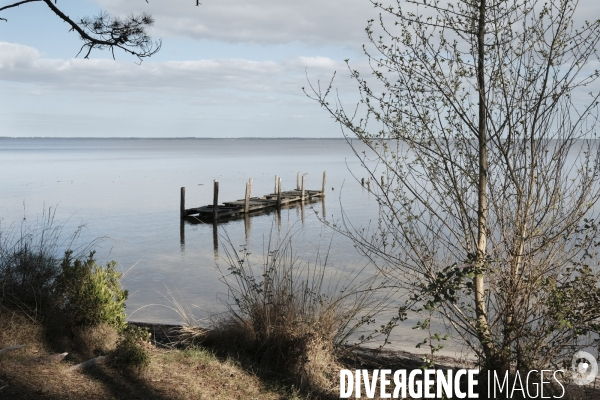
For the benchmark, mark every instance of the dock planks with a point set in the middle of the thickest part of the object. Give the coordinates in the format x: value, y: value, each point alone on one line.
x: 237, y: 208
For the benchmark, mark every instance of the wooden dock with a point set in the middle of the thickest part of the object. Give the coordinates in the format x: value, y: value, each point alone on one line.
x: 249, y: 204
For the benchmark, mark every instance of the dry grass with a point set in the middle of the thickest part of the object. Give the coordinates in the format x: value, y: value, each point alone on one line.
x: 301, y: 360
x: 193, y: 373
x: 96, y: 340
x: 17, y: 328
x: 198, y: 374
x: 30, y: 256
x: 287, y: 317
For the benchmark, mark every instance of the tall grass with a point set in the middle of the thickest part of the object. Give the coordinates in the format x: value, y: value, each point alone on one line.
x: 30, y: 257
x: 293, y: 315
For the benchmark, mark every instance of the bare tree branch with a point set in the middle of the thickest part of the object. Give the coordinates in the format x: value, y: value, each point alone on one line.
x: 106, y: 32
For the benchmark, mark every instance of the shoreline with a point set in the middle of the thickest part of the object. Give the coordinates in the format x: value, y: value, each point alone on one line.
x: 168, y: 335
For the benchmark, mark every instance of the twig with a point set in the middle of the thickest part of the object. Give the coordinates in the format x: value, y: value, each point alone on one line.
x: 11, y: 348
x: 89, y: 363
x: 52, y: 358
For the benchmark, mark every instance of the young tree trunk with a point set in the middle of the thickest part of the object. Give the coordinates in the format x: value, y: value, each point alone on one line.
x: 483, y: 329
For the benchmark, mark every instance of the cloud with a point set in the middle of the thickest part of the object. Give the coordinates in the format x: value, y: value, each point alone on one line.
x: 311, y: 22
x: 19, y: 63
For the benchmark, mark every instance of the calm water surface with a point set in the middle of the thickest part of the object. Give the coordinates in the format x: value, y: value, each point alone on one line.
x: 127, y: 191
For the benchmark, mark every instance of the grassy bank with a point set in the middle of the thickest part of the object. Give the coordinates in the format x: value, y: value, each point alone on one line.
x: 36, y: 371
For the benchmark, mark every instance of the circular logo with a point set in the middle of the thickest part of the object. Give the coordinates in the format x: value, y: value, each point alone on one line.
x: 584, y: 367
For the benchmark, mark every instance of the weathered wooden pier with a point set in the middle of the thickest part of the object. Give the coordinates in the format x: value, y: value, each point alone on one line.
x: 249, y: 204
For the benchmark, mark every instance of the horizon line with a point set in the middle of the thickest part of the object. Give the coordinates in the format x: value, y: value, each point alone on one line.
x: 169, y: 138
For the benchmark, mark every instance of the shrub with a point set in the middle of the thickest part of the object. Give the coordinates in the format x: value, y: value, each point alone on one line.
x: 289, y: 317
x: 91, y: 294
x: 131, y: 351
x: 77, y: 303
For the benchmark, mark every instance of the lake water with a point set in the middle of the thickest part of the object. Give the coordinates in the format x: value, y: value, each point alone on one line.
x: 127, y: 191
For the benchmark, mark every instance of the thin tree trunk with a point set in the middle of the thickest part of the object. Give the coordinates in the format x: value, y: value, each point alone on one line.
x: 483, y: 329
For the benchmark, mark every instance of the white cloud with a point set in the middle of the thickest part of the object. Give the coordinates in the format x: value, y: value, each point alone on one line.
x: 19, y: 63
x: 318, y: 62
x: 312, y: 22
x: 14, y: 56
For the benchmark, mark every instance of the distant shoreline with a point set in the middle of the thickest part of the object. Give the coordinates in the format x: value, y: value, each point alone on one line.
x: 165, y: 138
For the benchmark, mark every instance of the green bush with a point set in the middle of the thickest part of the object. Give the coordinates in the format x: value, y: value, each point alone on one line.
x: 91, y: 294
x: 131, y: 350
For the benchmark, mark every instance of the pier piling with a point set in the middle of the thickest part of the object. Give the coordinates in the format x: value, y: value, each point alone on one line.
x: 215, y: 200
x: 279, y: 192
x: 247, y: 198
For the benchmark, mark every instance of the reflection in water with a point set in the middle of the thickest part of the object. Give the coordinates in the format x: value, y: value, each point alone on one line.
x: 247, y: 226
x: 182, y: 235
x: 215, y: 239
x: 278, y: 220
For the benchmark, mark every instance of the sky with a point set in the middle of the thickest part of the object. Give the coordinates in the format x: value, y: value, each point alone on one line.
x: 228, y: 68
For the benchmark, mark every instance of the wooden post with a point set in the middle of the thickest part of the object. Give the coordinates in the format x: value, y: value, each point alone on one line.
x: 215, y: 200
x: 279, y: 192
x: 182, y: 206
x: 298, y: 181
x: 324, y: 181
x: 303, y: 182
x: 247, y: 198
x: 275, y: 190
x: 250, y: 191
